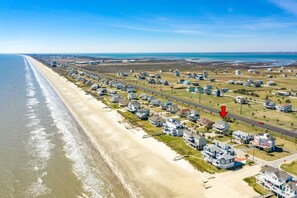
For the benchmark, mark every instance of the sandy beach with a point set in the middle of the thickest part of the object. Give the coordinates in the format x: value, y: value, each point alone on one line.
x: 145, y: 166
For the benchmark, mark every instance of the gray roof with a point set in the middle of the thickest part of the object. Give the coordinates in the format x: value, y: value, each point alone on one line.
x: 280, y: 174
x: 222, y: 123
x: 156, y: 118
x: 214, y: 148
x: 267, y: 168
x: 143, y: 110
x: 293, y: 185
x: 240, y: 133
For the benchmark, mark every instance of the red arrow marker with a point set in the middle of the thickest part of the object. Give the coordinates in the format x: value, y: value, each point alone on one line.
x: 223, y: 111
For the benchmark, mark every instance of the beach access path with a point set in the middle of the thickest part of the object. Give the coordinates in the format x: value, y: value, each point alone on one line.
x: 145, y: 166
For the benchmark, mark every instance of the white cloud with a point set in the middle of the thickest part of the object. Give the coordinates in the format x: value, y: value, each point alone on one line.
x: 287, y: 5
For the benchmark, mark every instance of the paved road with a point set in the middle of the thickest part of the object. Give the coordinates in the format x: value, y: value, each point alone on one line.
x: 279, y: 130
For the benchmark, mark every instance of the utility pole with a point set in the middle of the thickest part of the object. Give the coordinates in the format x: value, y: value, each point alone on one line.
x: 253, y: 154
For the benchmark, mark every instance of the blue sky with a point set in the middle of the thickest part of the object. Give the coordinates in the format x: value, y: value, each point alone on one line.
x: 147, y: 26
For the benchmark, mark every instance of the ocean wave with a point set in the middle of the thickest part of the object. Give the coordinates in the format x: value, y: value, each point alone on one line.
x: 38, y: 145
x: 38, y: 188
x: 74, y: 148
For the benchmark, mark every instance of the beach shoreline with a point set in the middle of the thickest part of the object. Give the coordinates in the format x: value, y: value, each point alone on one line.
x: 146, y: 164
x: 145, y: 167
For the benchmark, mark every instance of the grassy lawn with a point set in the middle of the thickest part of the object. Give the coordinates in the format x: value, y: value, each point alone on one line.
x: 222, y: 138
x: 267, y: 156
x: 290, y: 168
x: 257, y: 187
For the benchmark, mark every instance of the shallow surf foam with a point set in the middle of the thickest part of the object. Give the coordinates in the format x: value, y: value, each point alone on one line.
x: 38, y: 145
x: 75, y: 149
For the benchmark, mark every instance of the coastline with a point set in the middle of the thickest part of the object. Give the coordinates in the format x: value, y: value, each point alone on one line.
x: 144, y: 166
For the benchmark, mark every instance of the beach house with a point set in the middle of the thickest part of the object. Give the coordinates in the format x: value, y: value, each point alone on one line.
x: 123, y: 102
x: 194, y: 116
x: 212, y: 79
x: 205, y: 73
x: 151, y: 81
x: 230, y: 82
x: 115, y: 98
x: 269, y: 104
x: 143, y: 113
x: 219, y: 155
x: 199, y: 77
x: 144, y: 97
x: 216, y: 93
x: 95, y: 86
x: 176, y: 73
x: 221, y: 127
x: 101, y: 91
x: 133, y: 106
x: 206, y: 122
x: 132, y: 96
x: 263, y: 141
x: 151, y: 98
x: 155, y: 102
x: 199, y: 90
x: 194, y: 140
x: 271, y: 83
x: 191, y: 89
x: 165, y: 105
x: 238, y: 72
x: 183, y: 113
x: 164, y: 82
x: 243, y: 137
x: 156, y: 120
x: 241, y: 100
x: 286, y: 108
x: 279, y: 182
x: 239, y: 82
x: 282, y: 93
x: 172, y: 108
x: 173, y: 127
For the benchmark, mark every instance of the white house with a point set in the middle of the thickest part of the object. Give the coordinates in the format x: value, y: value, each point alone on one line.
x: 241, y: 100
x: 286, y: 108
x: 238, y: 72
x: 194, y: 140
x: 221, y: 127
x: 132, y: 96
x: 242, y: 136
x: 219, y: 155
x: 133, y: 106
x: 173, y: 127
x: 262, y: 141
x: 277, y: 181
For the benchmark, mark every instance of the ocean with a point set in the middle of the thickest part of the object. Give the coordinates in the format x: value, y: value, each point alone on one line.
x: 281, y: 58
x: 43, y: 151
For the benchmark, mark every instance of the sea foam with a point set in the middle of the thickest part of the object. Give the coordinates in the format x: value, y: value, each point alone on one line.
x: 38, y: 145
x: 74, y: 148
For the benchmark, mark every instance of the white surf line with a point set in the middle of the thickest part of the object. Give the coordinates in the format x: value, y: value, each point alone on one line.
x: 39, y: 145
x: 74, y: 149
